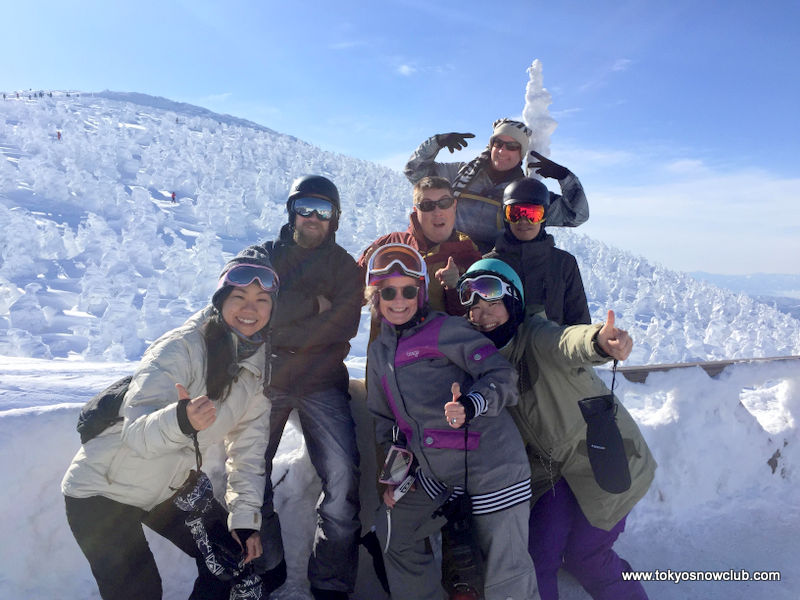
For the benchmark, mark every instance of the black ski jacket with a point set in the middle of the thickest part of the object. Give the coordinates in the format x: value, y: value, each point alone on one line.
x: 550, y: 277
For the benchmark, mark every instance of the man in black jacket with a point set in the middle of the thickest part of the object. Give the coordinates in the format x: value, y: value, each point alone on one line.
x: 316, y: 315
x: 550, y: 276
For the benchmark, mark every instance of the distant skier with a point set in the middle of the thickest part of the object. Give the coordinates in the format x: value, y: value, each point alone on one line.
x: 58, y: 135
x: 478, y: 184
x: 174, y: 201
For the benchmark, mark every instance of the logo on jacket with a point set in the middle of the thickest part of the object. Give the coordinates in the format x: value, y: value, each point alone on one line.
x: 414, y: 353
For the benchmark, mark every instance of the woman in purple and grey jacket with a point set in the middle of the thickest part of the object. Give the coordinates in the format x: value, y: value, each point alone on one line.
x: 436, y: 385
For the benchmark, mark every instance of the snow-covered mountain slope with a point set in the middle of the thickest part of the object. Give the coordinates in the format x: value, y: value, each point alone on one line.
x: 96, y: 260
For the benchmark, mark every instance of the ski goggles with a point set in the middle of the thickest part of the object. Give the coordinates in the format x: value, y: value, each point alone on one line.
x: 510, y: 146
x: 409, y: 292
x: 395, y: 257
x: 308, y: 205
x: 244, y: 274
x: 488, y: 287
x: 430, y: 205
x: 397, y: 466
x: 533, y: 213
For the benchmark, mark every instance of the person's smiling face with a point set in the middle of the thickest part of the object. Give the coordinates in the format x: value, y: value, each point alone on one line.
x: 247, y: 309
x: 399, y: 310
x: 487, y: 316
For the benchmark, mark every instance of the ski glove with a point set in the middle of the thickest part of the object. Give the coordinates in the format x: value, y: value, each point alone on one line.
x: 546, y: 167
x: 604, y: 444
x: 453, y: 141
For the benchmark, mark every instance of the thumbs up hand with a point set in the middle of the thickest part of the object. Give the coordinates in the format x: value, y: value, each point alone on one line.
x: 448, y: 275
x: 454, y: 411
x: 614, y: 342
x: 201, y: 411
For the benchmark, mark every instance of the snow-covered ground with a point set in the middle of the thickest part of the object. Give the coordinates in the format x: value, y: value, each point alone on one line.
x: 96, y: 261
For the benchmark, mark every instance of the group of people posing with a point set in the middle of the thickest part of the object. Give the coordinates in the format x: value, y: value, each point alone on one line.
x: 479, y: 380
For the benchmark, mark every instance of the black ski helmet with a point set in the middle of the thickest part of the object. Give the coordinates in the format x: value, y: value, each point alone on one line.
x: 315, y: 185
x: 526, y: 191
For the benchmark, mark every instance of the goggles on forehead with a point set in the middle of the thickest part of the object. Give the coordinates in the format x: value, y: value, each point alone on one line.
x: 244, y: 274
x: 395, y: 257
x: 488, y: 287
x: 533, y: 213
x: 308, y: 205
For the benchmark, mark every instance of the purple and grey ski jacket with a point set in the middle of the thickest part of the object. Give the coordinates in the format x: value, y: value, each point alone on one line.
x: 408, y: 384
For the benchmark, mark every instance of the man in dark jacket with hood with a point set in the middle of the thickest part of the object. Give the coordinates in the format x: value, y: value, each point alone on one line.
x: 550, y: 276
x: 315, y: 317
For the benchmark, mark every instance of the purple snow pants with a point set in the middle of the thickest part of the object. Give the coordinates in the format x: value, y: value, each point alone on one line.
x: 561, y: 536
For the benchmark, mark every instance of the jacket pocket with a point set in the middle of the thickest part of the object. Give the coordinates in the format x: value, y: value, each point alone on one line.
x: 450, y: 439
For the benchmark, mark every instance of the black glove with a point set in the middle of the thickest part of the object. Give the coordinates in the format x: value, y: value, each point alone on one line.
x: 453, y: 141
x: 604, y: 444
x: 546, y: 167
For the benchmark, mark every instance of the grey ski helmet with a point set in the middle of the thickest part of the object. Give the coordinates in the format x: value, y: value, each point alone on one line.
x: 314, y: 185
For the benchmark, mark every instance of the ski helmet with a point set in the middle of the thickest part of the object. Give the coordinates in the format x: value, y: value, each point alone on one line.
x: 314, y: 185
x: 515, y: 301
x: 392, y: 260
x: 526, y: 191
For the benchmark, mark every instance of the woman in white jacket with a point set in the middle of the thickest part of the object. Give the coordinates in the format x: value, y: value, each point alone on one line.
x: 203, y: 380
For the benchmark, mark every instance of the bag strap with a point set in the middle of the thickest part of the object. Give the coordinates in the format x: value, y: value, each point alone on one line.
x: 198, y: 457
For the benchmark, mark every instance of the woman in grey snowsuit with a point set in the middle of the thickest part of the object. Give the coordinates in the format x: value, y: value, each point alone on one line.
x: 196, y: 386
x: 429, y: 375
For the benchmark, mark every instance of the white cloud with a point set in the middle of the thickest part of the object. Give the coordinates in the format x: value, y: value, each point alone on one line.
x: 621, y: 64
x: 406, y: 70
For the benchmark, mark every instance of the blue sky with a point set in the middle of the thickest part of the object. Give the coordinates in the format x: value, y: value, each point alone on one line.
x: 679, y: 117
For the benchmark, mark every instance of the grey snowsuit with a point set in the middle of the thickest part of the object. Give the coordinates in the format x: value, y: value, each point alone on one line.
x: 409, y: 383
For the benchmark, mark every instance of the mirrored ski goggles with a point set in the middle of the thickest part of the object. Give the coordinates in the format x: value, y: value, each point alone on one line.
x: 396, y: 466
x: 244, y: 274
x: 533, y: 213
x: 510, y: 146
x: 488, y: 287
x: 306, y: 206
x: 408, y: 292
x: 395, y: 257
x: 430, y: 205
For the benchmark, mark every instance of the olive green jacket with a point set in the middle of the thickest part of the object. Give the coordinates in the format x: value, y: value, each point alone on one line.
x: 555, y: 367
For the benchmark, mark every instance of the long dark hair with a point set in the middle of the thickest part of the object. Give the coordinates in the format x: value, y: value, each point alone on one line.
x: 220, y: 358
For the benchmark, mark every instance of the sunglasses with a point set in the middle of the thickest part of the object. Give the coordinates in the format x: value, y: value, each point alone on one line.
x: 395, y: 257
x: 488, y: 287
x: 307, y: 206
x: 409, y: 292
x: 244, y: 274
x: 533, y: 213
x: 510, y: 146
x: 429, y: 205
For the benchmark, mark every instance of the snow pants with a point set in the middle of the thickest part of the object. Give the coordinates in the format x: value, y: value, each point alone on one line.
x: 330, y: 437
x: 111, y: 537
x: 412, y: 570
x: 561, y: 536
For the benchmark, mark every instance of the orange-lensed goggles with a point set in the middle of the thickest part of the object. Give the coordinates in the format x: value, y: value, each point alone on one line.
x: 533, y: 213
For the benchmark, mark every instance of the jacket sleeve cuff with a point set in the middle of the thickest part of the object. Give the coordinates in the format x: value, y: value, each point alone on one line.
x: 183, y: 417
x: 474, y: 405
x: 244, y: 520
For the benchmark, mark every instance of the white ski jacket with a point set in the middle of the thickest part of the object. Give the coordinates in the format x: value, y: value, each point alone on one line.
x: 145, y: 458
